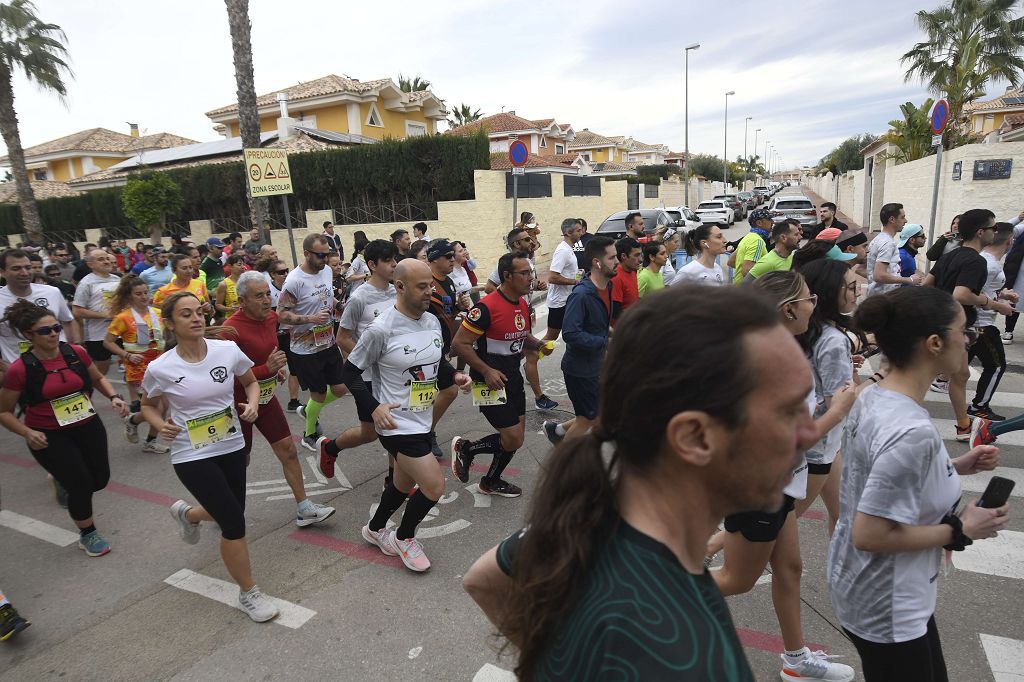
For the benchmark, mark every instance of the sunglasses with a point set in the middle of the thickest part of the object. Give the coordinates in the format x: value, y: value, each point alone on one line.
x: 318, y: 254
x: 46, y: 331
x: 813, y: 298
x: 281, y: 272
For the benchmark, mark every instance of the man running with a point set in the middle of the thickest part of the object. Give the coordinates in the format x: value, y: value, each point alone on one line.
x: 563, y: 275
x: 16, y: 269
x: 625, y: 290
x: 212, y: 264
x: 883, y: 266
x: 753, y: 245
x: 499, y: 327
x: 92, y: 305
x: 364, y: 307
x: 159, y: 273
x: 307, y: 306
x: 402, y: 351
x: 787, y: 236
x: 445, y: 304
x: 400, y: 238
x: 256, y: 327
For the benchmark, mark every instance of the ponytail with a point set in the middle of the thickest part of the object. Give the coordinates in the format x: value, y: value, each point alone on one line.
x: 694, y: 237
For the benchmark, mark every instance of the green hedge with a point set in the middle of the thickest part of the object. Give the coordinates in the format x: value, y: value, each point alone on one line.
x: 419, y: 171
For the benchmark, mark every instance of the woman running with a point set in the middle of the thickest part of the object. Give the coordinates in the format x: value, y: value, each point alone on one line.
x: 704, y: 244
x: 226, y: 295
x: 650, y: 279
x: 900, y: 491
x: 208, y: 450
x: 358, y: 272
x: 755, y: 539
x: 138, y: 327
x: 182, y: 269
x: 55, y: 381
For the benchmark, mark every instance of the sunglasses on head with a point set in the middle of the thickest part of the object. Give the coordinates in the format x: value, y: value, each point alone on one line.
x: 46, y: 331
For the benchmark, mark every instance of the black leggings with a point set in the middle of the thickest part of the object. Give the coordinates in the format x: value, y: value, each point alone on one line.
x: 989, y: 349
x: 1011, y: 321
x: 919, y: 659
x: 218, y: 484
x: 76, y: 457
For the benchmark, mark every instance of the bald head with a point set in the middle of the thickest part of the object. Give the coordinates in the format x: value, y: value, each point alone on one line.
x: 412, y: 281
x: 99, y: 261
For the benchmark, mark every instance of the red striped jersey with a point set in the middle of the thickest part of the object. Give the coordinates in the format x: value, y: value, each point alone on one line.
x: 502, y: 326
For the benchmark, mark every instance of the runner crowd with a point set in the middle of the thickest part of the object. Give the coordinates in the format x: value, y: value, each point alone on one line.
x: 674, y: 367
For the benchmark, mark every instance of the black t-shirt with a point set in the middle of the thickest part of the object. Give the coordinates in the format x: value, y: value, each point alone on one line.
x: 640, y: 615
x: 443, y: 306
x: 963, y: 267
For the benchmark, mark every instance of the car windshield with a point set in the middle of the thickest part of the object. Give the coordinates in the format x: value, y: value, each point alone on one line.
x: 674, y: 215
x: 789, y: 205
x: 710, y: 205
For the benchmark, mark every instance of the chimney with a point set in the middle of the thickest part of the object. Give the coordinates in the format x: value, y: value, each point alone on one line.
x: 285, y: 123
x: 282, y: 101
x: 133, y: 129
x: 512, y: 111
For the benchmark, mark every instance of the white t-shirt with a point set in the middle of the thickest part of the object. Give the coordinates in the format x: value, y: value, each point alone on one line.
x: 41, y: 294
x: 461, y: 279
x: 896, y: 467
x: 883, y: 249
x: 996, y: 281
x: 365, y: 306
x: 398, y: 351
x: 358, y: 267
x: 312, y: 293
x: 94, y: 293
x: 797, y: 488
x: 668, y: 270
x: 198, y: 390
x: 833, y: 367
x: 563, y: 262
x: 695, y: 273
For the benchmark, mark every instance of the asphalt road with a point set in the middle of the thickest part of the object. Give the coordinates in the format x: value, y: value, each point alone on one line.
x: 148, y: 610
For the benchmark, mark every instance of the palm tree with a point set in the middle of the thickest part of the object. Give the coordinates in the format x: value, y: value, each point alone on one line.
x: 248, y: 117
x: 912, y: 136
x: 463, y: 114
x: 412, y: 85
x: 37, y: 50
x: 967, y: 44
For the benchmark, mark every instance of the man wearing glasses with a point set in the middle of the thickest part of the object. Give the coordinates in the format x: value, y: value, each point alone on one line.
x: 307, y: 305
x: 62, y: 260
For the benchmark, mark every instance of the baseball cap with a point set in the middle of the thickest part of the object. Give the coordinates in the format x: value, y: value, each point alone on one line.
x: 909, y: 230
x: 850, y: 238
x: 439, y: 248
x: 158, y: 249
x: 215, y: 241
x: 829, y: 234
x: 835, y: 254
x: 759, y: 214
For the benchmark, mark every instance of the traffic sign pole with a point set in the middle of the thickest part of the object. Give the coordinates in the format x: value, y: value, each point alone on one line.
x: 939, y: 116
x: 288, y: 225
x: 518, y: 155
x: 515, y: 199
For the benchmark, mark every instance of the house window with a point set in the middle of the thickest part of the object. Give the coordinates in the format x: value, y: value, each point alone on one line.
x: 531, y: 185
x: 39, y: 174
x: 559, y: 148
x: 413, y: 129
x: 373, y: 118
x: 543, y: 141
x: 582, y: 186
x: 586, y: 155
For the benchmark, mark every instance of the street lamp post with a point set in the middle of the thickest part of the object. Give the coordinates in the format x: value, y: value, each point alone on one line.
x: 755, y: 143
x: 686, y: 118
x: 746, y: 159
x: 725, y: 146
x: 766, y: 162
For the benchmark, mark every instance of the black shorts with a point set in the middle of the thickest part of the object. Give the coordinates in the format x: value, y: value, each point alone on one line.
x: 507, y: 415
x: 284, y: 342
x: 583, y: 394
x: 363, y: 415
x: 97, y: 351
x: 318, y: 371
x: 819, y: 469
x: 555, y: 317
x: 410, y: 445
x: 760, y: 526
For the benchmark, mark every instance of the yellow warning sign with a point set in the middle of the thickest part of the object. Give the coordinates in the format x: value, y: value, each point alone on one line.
x: 268, y: 172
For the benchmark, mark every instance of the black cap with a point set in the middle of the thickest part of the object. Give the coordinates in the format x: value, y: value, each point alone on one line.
x: 439, y: 248
x: 851, y: 238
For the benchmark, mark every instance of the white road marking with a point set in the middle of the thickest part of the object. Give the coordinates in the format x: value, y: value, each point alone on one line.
x: 1005, y: 657
x: 977, y: 482
x: 37, y: 529
x: 492, y: 673
x: 479, y: 498
x: 415, y: 651
x: 291, y: 616
x: 276, y: 481
x: 280, y: 488
x: 1015, y: 401
x: 309, y: 493
x: 446, y: 529
x: 947, y: 429
x: 312, y: 462
x: 996, y: 556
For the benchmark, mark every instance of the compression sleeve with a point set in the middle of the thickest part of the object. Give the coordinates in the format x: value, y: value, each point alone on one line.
x: 352, y: 377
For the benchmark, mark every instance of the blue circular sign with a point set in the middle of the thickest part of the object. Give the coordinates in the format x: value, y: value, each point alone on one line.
x: 940, y: 116
x: 518, y: 153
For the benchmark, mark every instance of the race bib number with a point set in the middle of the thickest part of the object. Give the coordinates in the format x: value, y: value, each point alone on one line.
x: 72, y: 408
x: 323, y: 334
x: 484, y: 396
x: 23, y: 346
x: 267, y: 389
x: 210, y: 429
x: 422, y: 395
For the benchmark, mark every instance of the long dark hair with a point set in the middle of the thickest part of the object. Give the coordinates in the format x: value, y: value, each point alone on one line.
x: 901, y: 318
x: 575, y: 507
x: 122, y: 297
x: 826, y: 278
x: 359, y: 243
x: 695, y: 236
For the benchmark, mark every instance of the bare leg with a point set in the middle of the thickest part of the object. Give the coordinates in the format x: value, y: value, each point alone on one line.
x: 744, y: 564
x: 422, y: 471
x: 532, y: 373
x: 786, y: 569
x: 958, y: 393
x: 235, y: 554
x: 103, y: 366
x: 289, y: 458
x: 830, y: 493
x: 442, y: 402
x: 815, y: 482
x: 578, y: 426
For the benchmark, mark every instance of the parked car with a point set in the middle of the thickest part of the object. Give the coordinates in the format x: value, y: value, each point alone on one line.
x: 690, y: 220
x: 794, y: 206
x: 738, y: 206
x: 763, y: 192
x: 716, y: 212
x: 614, y: 226
x: 749, y: 199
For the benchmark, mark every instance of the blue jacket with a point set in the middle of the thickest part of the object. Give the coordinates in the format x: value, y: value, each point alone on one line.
x: 585, y: 330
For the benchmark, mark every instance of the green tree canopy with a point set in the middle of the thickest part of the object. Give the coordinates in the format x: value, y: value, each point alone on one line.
x: 911, y: 136
x: 414, y: 84
x: 148, y: 198
x: 846, y: 156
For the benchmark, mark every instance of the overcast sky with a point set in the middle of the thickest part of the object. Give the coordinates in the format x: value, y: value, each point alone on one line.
x: 810, y: 72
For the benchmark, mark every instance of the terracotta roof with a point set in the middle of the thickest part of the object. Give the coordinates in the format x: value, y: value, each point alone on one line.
x: 496, y: 123
x: 1013, y: 120
x: 157, y: 141
x: 103, y: 140
x: 543, y: 122
x: 499, y: 161
x: 997, y: 103
x: 616, y: 166
x: 42, y: 189
x: 322, y: 87
x: 586, y: 139
x: 642, y: 147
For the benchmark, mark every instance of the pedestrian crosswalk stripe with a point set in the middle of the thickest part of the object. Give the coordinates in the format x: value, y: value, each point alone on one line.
x: 947, y: 429
x: 291, y: 616
x: 37, y: 529
x: 977, y: 482
x: 1005, y: 657
x: 999, y: 400
x: 1000, y: 555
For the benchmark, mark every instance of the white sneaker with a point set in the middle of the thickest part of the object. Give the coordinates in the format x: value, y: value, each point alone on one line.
x: 310, y: 512
x: 259, y: 607
x: 814, y: 665
x: 381, y: 538
x: 188, y: 531
x: 155, y: 446
x: 1007, y: 338
x: 940, y: 386
x: 411, y: 552
x: 131, y: 430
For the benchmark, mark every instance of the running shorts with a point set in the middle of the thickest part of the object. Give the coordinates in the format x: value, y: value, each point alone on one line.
x: 318, y: 371
x: 410, y: 445
x: 760, y: 526
x: 504, y: 416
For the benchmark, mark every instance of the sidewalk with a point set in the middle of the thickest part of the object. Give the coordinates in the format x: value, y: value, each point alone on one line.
x: 818, y: 201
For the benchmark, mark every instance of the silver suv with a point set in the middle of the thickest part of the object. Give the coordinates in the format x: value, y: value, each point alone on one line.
x: 790, y: 206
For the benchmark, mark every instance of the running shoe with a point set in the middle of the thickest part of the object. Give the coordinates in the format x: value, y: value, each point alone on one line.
x: 501, y: 487
x: 155, y: 446
x: 545, y: 403
x: 381, y: 539
x: 940, y: 386
x: 326, y: 461
x: 1007, y: 338
x: 10, y: 622
x: 460, y: 466
x: 59, y: 493
x: 964, y: 434
x: 301, y: 411
x: 131, y: 429
x: 257, y: 605
x: 188, y: 531
x: 293, y: 406
x: 985, y: 413
x: 93, y: 544
x: 551, y: 433
x: 310, y: 512
x: 310, y: 442
x: 410, y: 551
x: 434, y: 447
x: 814, y: 665
x: 980, y: 435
